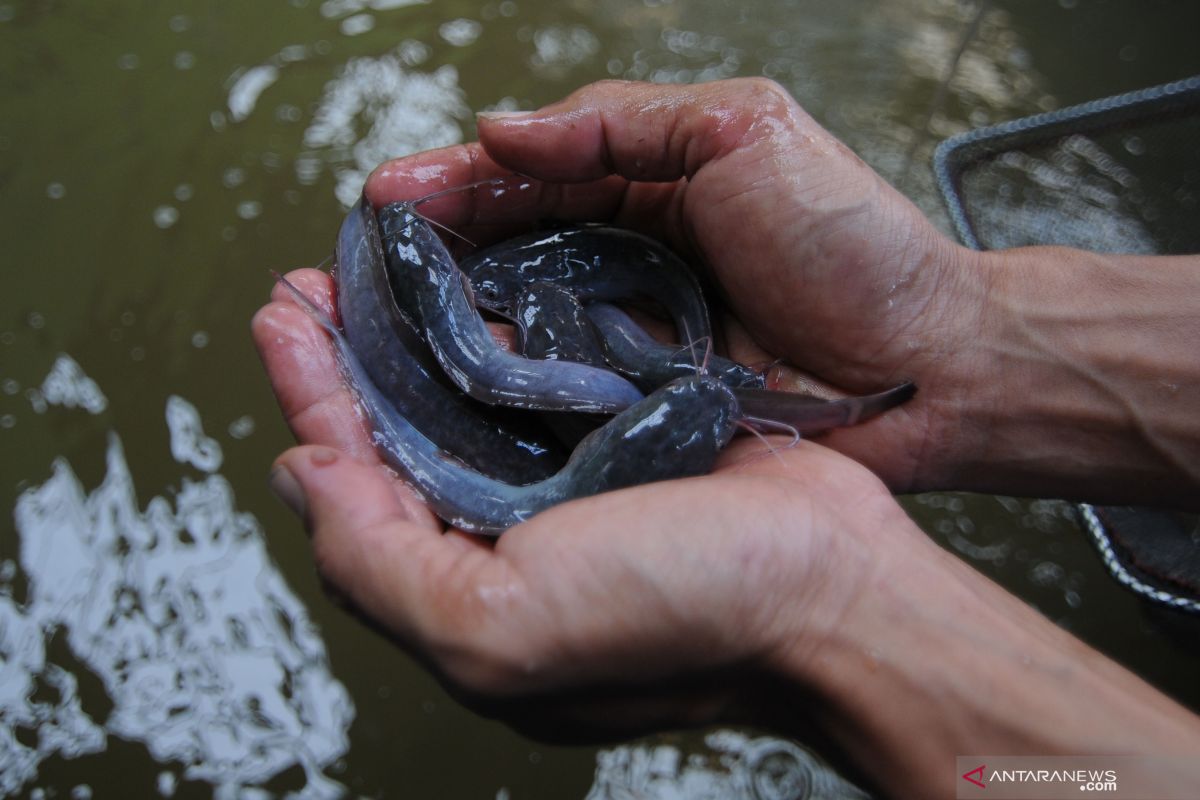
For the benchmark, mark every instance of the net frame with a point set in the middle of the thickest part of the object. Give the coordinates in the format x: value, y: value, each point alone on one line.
x: 955, y: 156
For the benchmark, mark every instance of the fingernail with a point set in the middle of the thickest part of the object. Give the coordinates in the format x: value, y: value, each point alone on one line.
x: 284, y: 485
x: 499, y: 115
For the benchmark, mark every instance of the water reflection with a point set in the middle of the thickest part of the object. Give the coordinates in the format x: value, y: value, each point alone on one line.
x: 1075, y: 194
x: 403, y: 111
x: 735, y: 767
x: 207, y: 657
x: 185, y: 149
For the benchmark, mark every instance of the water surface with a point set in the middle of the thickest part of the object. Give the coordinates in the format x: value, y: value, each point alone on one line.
x: 161, y: 628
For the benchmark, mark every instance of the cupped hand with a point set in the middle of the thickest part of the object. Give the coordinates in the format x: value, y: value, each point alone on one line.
x: 696, y: 583
x: 822, y: 263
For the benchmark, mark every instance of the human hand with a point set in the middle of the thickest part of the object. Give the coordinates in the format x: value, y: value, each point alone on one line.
x: 702, y: 582
x: 821, y: 261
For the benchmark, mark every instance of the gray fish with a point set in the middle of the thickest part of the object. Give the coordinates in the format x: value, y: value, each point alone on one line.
x: 427, y: 282
x: 675, y: 432
x: 401, y: 366
x: 596, y: 262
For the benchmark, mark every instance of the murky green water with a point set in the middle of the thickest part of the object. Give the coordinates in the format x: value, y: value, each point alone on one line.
x: 161, y: 629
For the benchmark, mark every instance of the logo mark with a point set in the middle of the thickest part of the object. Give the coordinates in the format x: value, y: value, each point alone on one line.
x: 978, y: 776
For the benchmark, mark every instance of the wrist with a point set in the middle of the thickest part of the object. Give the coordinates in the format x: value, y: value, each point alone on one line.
x: 1082, y: 380
x: 933, y: 661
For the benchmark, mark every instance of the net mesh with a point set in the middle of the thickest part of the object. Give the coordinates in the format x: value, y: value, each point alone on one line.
x: 1118, y: 175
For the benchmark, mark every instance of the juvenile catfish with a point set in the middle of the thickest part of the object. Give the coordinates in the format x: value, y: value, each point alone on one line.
x: 429, y: 285
x: 398, y: 363
x: 675, y: 432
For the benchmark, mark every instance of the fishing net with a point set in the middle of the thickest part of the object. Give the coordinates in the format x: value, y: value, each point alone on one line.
x: 1117, y: 175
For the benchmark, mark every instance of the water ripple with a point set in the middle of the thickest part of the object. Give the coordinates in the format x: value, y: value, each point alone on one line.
x: 208, y: 658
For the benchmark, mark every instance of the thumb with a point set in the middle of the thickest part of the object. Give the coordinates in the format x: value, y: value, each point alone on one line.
x: 370, y: 534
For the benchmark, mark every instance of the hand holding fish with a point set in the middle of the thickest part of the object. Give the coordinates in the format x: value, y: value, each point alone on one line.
x: 782, y: 590
x: 1020, y: 366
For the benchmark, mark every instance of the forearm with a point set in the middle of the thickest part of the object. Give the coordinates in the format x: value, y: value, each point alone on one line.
x: 934, y: 661
x: 1083, y: 381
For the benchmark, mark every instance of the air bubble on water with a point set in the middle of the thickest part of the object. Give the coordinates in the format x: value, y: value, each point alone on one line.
x: 10, y: 386
x: 249, y: 209
x: 249, y: 86
x: 165, y: 216
x: 81, y: 792
x: 358, y: 24
x: 460, y: 32
x: 286, y: 112
x: 242, y: 427
x: 7, y: 421
x: 184, y: 59
x: 233, y: 177
x: 128, y: 61
x: 137, y: 353
x: 166, y: 783
x: 179, y: 23
x: 35, y: 320
x: 68, y: 386
x: 184, y: 192
x: 36, y: 400
x: 200, y: 340
x: 292, y: 53
x: 189, y: 444
x: 56, y: 191
x: 412, y: 52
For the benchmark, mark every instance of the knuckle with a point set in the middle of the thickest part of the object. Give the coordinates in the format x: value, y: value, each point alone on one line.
x: 763, y: 90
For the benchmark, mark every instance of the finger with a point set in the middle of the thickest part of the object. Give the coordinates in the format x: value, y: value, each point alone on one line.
x: 732, y: 135
x: 487, y: 213
x: 641, y: 131
x: 303, y: 370
x: 371, y: 543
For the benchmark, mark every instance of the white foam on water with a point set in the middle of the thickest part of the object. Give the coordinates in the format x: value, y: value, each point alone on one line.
x: 403, y: 111
x: 736, y: 767
x: 189, y: 445
x: 208, y: 658
x: 66, y: 385
x: 248, y: 87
